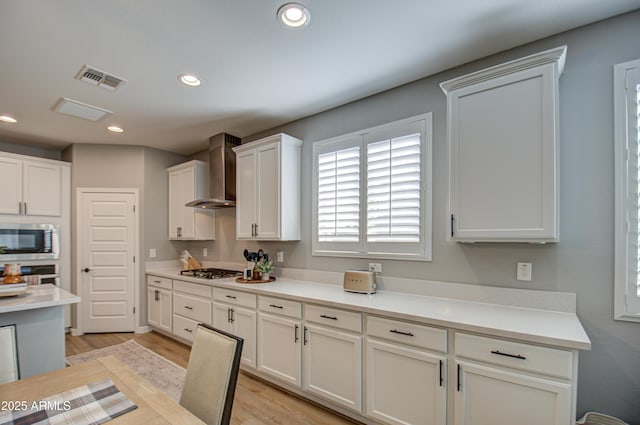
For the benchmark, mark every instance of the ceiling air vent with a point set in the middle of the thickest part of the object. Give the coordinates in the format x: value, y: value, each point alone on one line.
x: 95, y: 77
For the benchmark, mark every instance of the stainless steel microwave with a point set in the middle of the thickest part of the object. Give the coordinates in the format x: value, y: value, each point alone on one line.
x: 25, y: 241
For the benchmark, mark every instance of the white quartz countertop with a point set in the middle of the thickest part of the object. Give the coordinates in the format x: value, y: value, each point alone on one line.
x: 560, y: 329
x: 38, y: 296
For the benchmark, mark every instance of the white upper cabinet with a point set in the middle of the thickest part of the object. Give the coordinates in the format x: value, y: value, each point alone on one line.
x: 268, y: 189
x: 503, y: 134
x: 31, y: 187
x: 187, y: 182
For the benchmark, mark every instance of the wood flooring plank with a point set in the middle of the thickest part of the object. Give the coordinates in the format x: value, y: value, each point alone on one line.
x: 257, y: 402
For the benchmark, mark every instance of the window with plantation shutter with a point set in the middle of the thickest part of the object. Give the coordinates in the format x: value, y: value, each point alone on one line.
x: 373, y: 192
x: 627, y: 190
x: 339, y: 195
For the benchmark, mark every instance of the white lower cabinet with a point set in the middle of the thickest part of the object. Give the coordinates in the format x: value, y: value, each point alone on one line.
x: 159, y: 303
x: 332, y: 356
x: 191, y: 305
x: 504, y: 382
x: 405, y: 383
x: 235, y: 312
x: 279, y: 353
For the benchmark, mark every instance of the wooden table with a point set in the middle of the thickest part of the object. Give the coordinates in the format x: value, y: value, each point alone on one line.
x: 154, y: 407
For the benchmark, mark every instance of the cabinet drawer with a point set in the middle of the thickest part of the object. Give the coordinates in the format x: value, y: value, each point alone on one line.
x: 192, y: 288
x: 531, y: 358
x: 348, y: 320
x: 407, y: 333
x: 280, y: 306
x: 192, y: 307
x: 159, y: 282
x: 184, y: 328
x: 230, y: 296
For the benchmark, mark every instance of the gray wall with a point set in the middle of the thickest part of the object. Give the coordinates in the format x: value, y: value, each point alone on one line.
x: 110, y: 166
x: 582, y: 262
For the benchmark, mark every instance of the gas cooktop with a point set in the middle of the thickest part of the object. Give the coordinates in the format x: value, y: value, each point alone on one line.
x: 212, y: 273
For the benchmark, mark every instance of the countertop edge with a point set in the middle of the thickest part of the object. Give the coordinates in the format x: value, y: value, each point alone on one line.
x: 579, y: 342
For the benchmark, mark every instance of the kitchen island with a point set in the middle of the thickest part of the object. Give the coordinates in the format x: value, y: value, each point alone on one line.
x: 38, y: 318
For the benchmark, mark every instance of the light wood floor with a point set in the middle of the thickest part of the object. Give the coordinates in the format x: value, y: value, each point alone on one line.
x: 256, y: 402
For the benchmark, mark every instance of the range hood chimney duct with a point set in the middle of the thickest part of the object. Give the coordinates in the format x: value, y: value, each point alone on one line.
x: 222, y: 173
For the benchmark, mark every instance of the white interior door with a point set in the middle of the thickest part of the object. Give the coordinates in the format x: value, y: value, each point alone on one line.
x: 107, y: 241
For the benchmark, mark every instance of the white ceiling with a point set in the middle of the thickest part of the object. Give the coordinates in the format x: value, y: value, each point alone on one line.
x: 257, y: 74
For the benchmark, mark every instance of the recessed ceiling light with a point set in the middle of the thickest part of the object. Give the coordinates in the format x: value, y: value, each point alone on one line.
x: 115, y: 129
x: 7, y: 118
x: 189, y: 80
x: 294, y: 15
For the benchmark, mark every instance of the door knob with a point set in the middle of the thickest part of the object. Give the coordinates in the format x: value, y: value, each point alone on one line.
x: 86, y: 270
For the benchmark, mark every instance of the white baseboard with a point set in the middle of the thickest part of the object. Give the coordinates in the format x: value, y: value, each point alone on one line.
x: 76, y: 332
x: 143, y: 329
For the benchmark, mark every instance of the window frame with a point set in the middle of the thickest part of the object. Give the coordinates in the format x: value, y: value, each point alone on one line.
x: 386, y: 250
x: 624, y: 308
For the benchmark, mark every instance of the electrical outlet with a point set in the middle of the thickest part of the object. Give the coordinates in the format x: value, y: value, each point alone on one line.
x: 375, y: 267
x: 524, y: 271
x: 279, y: 256
x: 205, y: 252
x: 152, y: 253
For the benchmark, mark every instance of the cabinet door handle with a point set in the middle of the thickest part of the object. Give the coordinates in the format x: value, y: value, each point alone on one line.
x: 188, y: 330
x: 157, y: 295
x: 179, y: 232
x: 441, y: 377
x: 459, y: 373
x: 276, y: 306
x: 324, y: 316
x: 513, y: 356
x: 295, y: 334
x: 304, y: 336
x: 188, y: 307
x: 256, y: 235
x: 395, y: 331
x: 25, y: 207
x: 452, y: 220
x: 19, y: 207
x: 231, y: 315
x: 230, y: 297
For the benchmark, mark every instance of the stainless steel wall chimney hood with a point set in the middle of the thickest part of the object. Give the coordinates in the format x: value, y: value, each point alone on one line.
x: 222, y: 173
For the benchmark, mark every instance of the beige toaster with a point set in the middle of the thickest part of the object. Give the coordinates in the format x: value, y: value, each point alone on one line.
x: 361, y: 281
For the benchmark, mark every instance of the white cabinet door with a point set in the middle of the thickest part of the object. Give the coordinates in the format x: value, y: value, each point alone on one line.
x: 405, y: 385
x: 30, y: 188
x: 333, y: 365
x: 504, y: 143
x: 268, y: 189
x: 491, y: 396
x: 159, y: 305
x: 187, y: 182
x: 279, y: 352
x: 244, y: 326
x: 245, y: 194
x: 240, y: 322
x: 11, y: 192
x: 42, y: 188
x: 268, y: 195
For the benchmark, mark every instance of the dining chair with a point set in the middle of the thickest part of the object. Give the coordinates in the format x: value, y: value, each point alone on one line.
x: 212, y: 373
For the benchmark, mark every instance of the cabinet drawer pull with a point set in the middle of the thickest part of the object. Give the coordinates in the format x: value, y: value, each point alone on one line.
x: 157, y: 281
x: 276, y: 306
x: 230, y: 297
x: 395, y: 331
x: 188, y: 330
x: 514, y: 356
x: 324, y: 316
x: 188, y: 307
